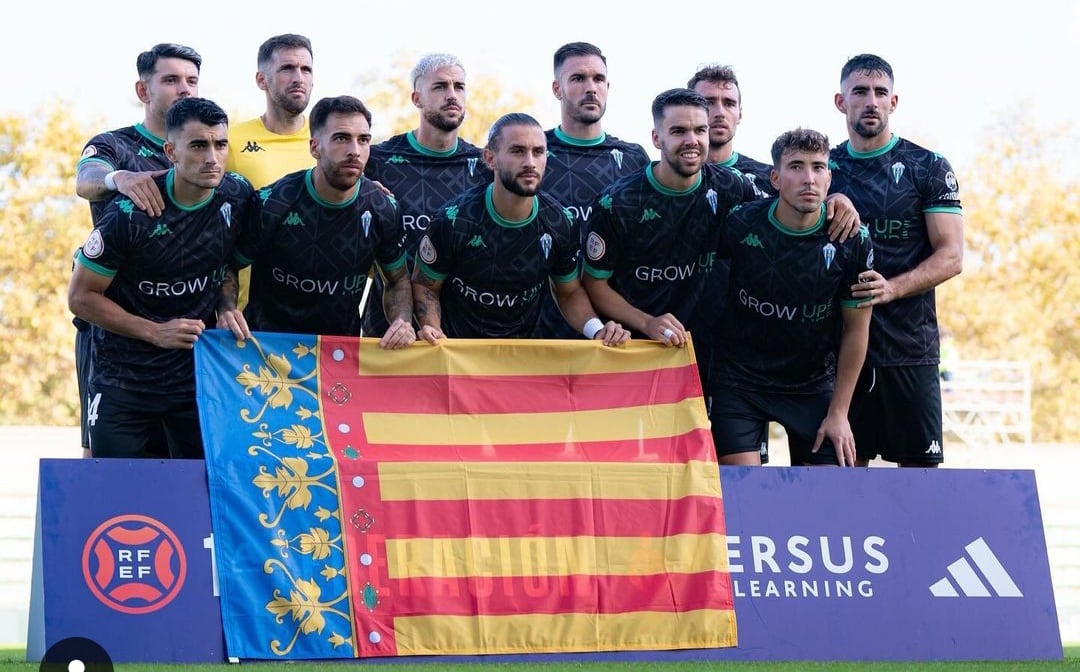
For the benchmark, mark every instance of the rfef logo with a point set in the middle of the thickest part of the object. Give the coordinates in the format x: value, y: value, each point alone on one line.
x: 134, y: 564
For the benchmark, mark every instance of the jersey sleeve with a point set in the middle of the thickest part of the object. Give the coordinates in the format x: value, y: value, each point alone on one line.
x: 390, y: 253
x: 566, y: 251
x: 862, y: 260
x: 103, y: 148
x: 603, y: 245
x: 737, y: 187
x: 435, y: 254
x: 109, y: 244
x: 942, y: 191
x: 255, y: 228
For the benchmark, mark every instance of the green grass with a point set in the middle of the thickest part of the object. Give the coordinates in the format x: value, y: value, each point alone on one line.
x: 13, y: 660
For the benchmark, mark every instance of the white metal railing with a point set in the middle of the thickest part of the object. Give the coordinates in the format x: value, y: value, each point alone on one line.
x: 987, y: 401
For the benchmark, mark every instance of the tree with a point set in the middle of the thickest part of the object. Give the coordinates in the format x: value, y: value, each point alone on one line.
x: 387, y: 93
x: 1019, y: 295
x: 41, y: 223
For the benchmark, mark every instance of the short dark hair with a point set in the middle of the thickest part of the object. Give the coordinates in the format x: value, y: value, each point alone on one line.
x: 715, y: 74
x: 286, y: 41
x: 146, y: 62
x: 799, y: 140
x: 868, y: 63
x: 674, y: 98
x: 512, y: 119
x: 199, y: 109
x: 571, y: 49
x: 337, y: 105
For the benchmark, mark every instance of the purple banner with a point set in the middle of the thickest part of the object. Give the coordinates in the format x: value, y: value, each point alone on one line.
x: 827, y: 564
x: 123, y: 547
x: 889, y: 564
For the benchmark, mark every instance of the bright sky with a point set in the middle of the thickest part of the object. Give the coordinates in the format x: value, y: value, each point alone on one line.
x: 959, y: 67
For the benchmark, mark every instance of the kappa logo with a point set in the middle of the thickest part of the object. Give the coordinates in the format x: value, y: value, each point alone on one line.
x: 967, y: 579
x: 476, y: 241
x: 293, y: 219
x: 751, y: 240
x: 160, y: 230
x: 934, y: 448
x: 252, y: 146
x: 397, y: 158
x: 649, y: 215
x: 146, y: 152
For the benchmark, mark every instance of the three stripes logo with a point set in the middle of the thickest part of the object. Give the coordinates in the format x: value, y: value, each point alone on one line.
x: 994, y: 579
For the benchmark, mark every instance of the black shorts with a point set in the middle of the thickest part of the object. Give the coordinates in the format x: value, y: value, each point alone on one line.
x: 129, y: 424
x: 896, y: 414
x: 740, y: 423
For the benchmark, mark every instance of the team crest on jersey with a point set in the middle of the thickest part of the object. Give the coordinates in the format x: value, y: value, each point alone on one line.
x: 617, y: 155
x: 94, y: 245
x: 365, y: 222
x: 472, y: 165
x: 897, y: 172
x: 950, y: 181
x: 545, y: 244
x: 870, y: 259
x: 710, y: 196
x: 828, y: 253
x: 226, y: 214
x: 89, y: 151
x: 427, y: 251
x: 595, y: 246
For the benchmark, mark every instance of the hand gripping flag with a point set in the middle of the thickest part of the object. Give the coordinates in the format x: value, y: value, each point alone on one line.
x: 475, y: 497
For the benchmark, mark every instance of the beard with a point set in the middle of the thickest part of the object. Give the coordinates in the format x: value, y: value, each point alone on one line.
x: 435, y: 118
x: 340, y: 180
x: 579, y: 113
x: 290, y: 105
x: 681, y: 167
x: 867, y: 132
x: 509, y: 180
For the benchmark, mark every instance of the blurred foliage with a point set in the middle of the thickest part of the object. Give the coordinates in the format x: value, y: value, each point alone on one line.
x: 41, y: 224
x: 1018, y: 297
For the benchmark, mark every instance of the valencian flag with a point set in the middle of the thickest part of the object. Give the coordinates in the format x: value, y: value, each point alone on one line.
x: 471, y: 498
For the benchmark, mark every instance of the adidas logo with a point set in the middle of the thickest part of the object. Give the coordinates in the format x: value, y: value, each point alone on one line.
x: 252, y: 146
x: 969, y: 581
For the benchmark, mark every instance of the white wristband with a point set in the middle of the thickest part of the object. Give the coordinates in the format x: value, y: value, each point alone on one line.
x: 591, y: 327
x: 110, y: 180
